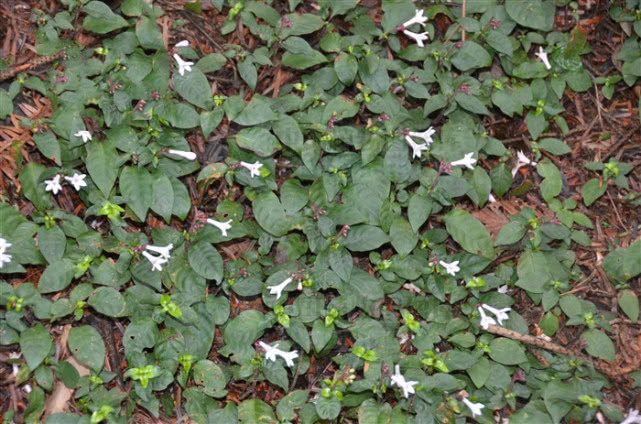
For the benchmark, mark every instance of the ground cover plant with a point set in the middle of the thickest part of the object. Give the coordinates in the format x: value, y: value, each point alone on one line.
x: 311, y: 212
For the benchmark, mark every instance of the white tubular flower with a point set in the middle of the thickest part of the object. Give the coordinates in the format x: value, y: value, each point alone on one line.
x: 500, y: 314
x: 222, y: 226
x: 253, y: 168
x: 27, y: 388
x: 502, y: 289
x: 417, y: 19
x: 468, y: 161
x: 53, y: 184
x: 491, y: 198
x: 14, y: 355
x: 278, y: 289
x: 271, y: 352
x: 183, y: 65
x: 182, y: 154
x: 419, y: 38
x: 522, y: 161
x: 632, y: 418
x: 85, y: 135
x: 399, y: 380
x: 451, y: 268
x: 4, y: 257
x: 425, y: 135
x: 474, y: 407
x: 156, y: 261
x: 485, y: 320
x: 4, y: 245
x: 543, y: 56
x: 183, y: 43
x: 77, y: 181
x: 163, y: 251
x: 417, y: 149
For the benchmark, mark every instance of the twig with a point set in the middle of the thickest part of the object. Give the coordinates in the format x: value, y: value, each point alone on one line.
x: 291, y: 386
x: 463, y: 7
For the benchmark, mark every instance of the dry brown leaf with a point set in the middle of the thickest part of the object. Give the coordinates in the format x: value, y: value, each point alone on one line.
x: 493, y: 220
x: 58, y: 400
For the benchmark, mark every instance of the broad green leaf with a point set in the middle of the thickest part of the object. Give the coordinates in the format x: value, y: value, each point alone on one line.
x: 289, y: 133
x: 402, y: 237
x: 346, y: 68
x: 101, y: 19
x: 533, y: 271
x: 328, y: 408
x: 248, y: 72
x: 52, y: 243
x: 87, y: 346
x: 107, y: 301
x: 255, y: 411
x: 362, y: 238
x: 599, y: 344
x: 301, y: 24
x: 340, y: 260
x: 48, y: 145
x: 510, y: 233
x: 162, y: 196
x: 32, y: 186
x: 418, y: 210
x: 293, y: 400
x: 56, y: 276
x: 258, y: 140
x: 397, y: 164
x: 256, y: 112
x: 209, y: 375
x: 365, y: 285
x: 149, y: 34
x: 552, y: 182
x: 194, y: 87
x: 321, y: 334
x: 35, y: 343
x: 471, y: 56
x: 629, y: 303
x: 182, y: 201
x: 136, y: 187
x: 206, y: 261
x: 102, y: 163
x: 469, y: 233
x: 270, y: 214
x: 499, y: 42
x: 592, y: 190
x: 536, y: 14
x: 507, y: 351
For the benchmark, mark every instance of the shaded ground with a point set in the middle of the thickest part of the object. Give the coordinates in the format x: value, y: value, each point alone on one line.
x: 599, y: 129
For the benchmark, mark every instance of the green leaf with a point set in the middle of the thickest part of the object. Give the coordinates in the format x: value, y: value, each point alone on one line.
x: 136, y: 187
x: 289, y: 133
x: 418, y: 210
x: 507, y: 351
x: 340, y: 260
x: 535, y: 14
x: 87, y: 346
x: 346, y: 68
x: 255, y: 411
x: 599, y: 344
x: 210, y: 120
x: 35, y: 343
x: 206, y: 261
x: 469, y: 233
x: 293, y: 400
x: 270, y: 214
x: 321, y: 334
x: 592, y: 190
x: 365, y: 285
x: 362, y: 238
x: 211, y: 63
x: 101, y: 19
x: 402, y: 236
x: 256, y: 112
x: 293, y: 196
x: 247, y: 71
x: 510, y: 233
x: 533, y: 271
x: 56, y: 276
x: 298, y: 332
x: 328, y: 408
x: 52, y: 243
x: 552, y: 182
x: 471, y: 56
x: 258, y: 140
x: 102, y: 163
x: 629, y: 303
x: 149, y: 34
x: 107, y: 301
x: 194, y: 87
x: 397, y: 164
x: 471, y: 103
x: 501, y: 177
x: 536, y: 124
x: 32, y: 188
x: 182, y: 201
x: 209, y: 375
x: 301, y: 24
x: 499, y: 42
x: 162, y: 196
x: 554, y: 146
x: 48, y: 145
x: 300, y: 55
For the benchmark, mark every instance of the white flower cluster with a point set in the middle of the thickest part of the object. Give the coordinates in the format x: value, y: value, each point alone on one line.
x: 632, y: 418
x: 278, y: 289
x: 5, y: 258
x: 500, y: 314
x: 271, y: 352
x: 54, y: 185
x: 474, y: 407
x: 418, y: 149
x: 399, y: 380
x: 417, y: 19
x: 253, y: 168
x: 163, y: 255
x: 522, y: 161
x: 222, y: 226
